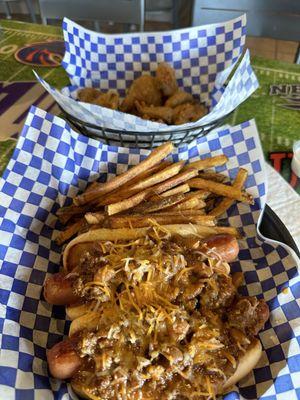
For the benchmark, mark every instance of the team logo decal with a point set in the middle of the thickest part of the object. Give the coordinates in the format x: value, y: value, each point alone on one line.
x: 290, y: 95
x: 42, y: 54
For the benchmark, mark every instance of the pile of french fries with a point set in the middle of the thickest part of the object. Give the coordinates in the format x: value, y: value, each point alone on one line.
x: 157, y: 191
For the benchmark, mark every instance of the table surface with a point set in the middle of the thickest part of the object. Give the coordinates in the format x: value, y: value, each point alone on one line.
x: 278, y: 126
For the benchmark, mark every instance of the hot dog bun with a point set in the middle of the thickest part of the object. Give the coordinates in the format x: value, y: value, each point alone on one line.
x: 77, y: 310
x: 85, y: 393
x: 246, y: 364
x: 104, y: 234
x: 225, y: 244
x: 88, y: 321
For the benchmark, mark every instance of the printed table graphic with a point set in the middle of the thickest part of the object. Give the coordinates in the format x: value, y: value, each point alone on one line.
x: 42, y: 54
x: 274, y: 105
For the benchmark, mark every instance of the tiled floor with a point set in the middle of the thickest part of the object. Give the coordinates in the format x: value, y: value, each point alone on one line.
x: 265, y: 47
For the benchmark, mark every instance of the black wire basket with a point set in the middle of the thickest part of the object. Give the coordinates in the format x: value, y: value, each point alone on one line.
x: 143, y: 140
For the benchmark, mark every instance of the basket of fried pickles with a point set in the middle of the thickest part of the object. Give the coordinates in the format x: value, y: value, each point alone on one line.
x: 156, y: 98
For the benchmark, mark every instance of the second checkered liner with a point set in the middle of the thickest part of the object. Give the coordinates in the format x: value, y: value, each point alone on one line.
x: 51, y: 163
x: 203, y: 58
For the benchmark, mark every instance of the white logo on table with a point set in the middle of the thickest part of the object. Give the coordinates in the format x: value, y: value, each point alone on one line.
x: 289, y: 93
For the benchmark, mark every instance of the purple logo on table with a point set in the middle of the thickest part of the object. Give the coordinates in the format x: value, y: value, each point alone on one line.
x: 16, y: 99
x: 290, y: 94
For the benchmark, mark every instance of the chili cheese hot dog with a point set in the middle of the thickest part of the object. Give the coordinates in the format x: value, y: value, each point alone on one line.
x: 59, y: 288
x: 159, y: 314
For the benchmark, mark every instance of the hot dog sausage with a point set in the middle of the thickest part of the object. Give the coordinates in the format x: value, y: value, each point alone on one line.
x: 223, y: 244
x: 77, y: 251
x: 63, y: 360
x: 58, y: 290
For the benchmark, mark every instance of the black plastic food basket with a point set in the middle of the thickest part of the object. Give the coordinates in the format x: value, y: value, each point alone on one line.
x: 144, y: 140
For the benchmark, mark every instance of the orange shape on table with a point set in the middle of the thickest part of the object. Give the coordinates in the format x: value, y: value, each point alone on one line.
x: 42, y: 54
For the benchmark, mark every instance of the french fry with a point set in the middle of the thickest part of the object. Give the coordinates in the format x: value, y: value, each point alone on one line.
x: 95, y: 218
x: 174, y: 181
x: 226, y: 202
x: 142, y: 184
x: 154, y: 158
x: 210, y: 204
x: 212, y: 176
x: 133, y: 201
x: 155, y: 197
x: 199, y: 194
x: 148, y: 172
x: 186, y: 213
x: 161, y: 176
x: 188, y: 204
x: 205, y: 231
x: 70, y: 231
x: 92, y: 186
x: 126, y: 204
x: 164, y: 202
x: 65, y: 218
x: 184, y: 188
x: 221, y: 190
x: 95, y: 226
x: 207, y: 162
x: 122, y: 192
x: 200, y: 210
x: 158, y: 192
x: 140, y: 221
x: 66, y: 213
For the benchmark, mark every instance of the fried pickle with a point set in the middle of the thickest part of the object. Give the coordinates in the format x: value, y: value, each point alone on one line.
x: 179, y: 97
x: 146, y: 89
x: 95, y: 96
x: 165, y: 76
x: 88, y: 95
x: 109, y: 99
x: 188, y: 112
x: 153, y: 98
x: 158, y: 114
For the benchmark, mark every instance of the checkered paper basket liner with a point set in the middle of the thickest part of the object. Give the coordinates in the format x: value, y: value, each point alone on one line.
x: 203, y: 57
x: 51, y: 163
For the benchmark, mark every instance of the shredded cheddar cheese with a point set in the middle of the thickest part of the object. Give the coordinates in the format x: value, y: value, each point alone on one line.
x: 143, y: 294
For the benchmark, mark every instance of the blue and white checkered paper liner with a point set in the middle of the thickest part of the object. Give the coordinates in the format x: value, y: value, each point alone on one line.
x: 202, y: 57
x: 51, y: 163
